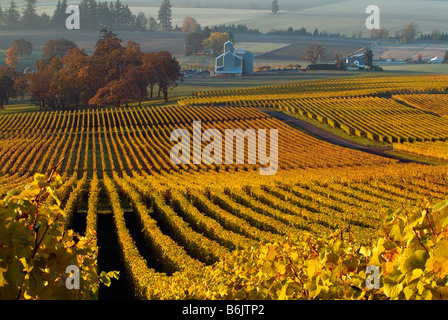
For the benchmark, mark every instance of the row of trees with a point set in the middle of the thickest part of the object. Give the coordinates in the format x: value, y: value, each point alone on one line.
x: 407, y: 34
x: 66, y: 77
x: 435, y: 36
x: 12, y: 19
x: 303, y: 32
x: 315, y: 51
x: 93, y: 16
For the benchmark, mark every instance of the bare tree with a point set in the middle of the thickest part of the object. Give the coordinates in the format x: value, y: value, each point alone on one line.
x: 409, y: 32
x: 314, y: 52
x: 190, y: 25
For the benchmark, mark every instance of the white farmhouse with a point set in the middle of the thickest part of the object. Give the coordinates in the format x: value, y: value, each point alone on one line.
x: 435, y: 60
x: 357, y: 60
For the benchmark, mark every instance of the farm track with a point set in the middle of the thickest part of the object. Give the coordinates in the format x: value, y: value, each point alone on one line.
x: 332, y: 138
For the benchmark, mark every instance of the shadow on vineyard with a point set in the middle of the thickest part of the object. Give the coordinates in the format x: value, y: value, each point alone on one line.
x: 79, y: 218
x: 142, y: 243
x: 109, y: 256
x: 168, y: 227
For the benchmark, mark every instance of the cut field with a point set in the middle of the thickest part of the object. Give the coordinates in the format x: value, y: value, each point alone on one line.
x: 401, y: 52
x: 344, y: 46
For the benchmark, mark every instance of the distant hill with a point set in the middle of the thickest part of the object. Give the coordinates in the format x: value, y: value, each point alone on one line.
x: 335, y: 16
x: 250, y: 4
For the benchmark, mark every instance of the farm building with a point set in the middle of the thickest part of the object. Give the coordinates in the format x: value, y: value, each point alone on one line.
x: 357, y: 59
x: 234, y: 63
x: 436, y: 60
x: 29, y: 70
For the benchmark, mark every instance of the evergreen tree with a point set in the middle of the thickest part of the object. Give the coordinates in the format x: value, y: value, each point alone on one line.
x: 2, y: 17
x: 368, y: 57
x: 128, y: 18
x: 117, y: 14
x: 122, y: 17
x: 105, y: 16
x: 88, y: 14
x: 12, y: 16
x: 165, y: 15
x: 141, y: 21
x: 152, y: 23
x: 30, y: 19
x: 59, y: 16
x: 45, y: 21
x: 274, y: 6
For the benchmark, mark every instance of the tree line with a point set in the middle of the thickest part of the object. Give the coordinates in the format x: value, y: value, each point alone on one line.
x: 93, y: 16
x: 66, y: 77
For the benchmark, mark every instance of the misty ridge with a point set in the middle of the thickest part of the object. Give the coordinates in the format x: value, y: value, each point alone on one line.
x: 248, y: 4
x: 289, y: 5
x: 339, y: 16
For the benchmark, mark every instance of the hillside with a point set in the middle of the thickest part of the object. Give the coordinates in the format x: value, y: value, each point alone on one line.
x: 161, y: 224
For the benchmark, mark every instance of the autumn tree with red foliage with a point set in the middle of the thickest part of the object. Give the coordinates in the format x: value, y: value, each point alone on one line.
x: 137, y: 81
x: 115, y: 93
x: 109, y: 57
x: 12, y: 58
x: 67, y: 77
x: 150, y: 62
x: 41, y: 85
x: 168, y: 72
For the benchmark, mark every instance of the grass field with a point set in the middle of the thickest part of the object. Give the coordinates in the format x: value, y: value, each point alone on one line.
x: 415, y: 68
x: 399, y: 52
